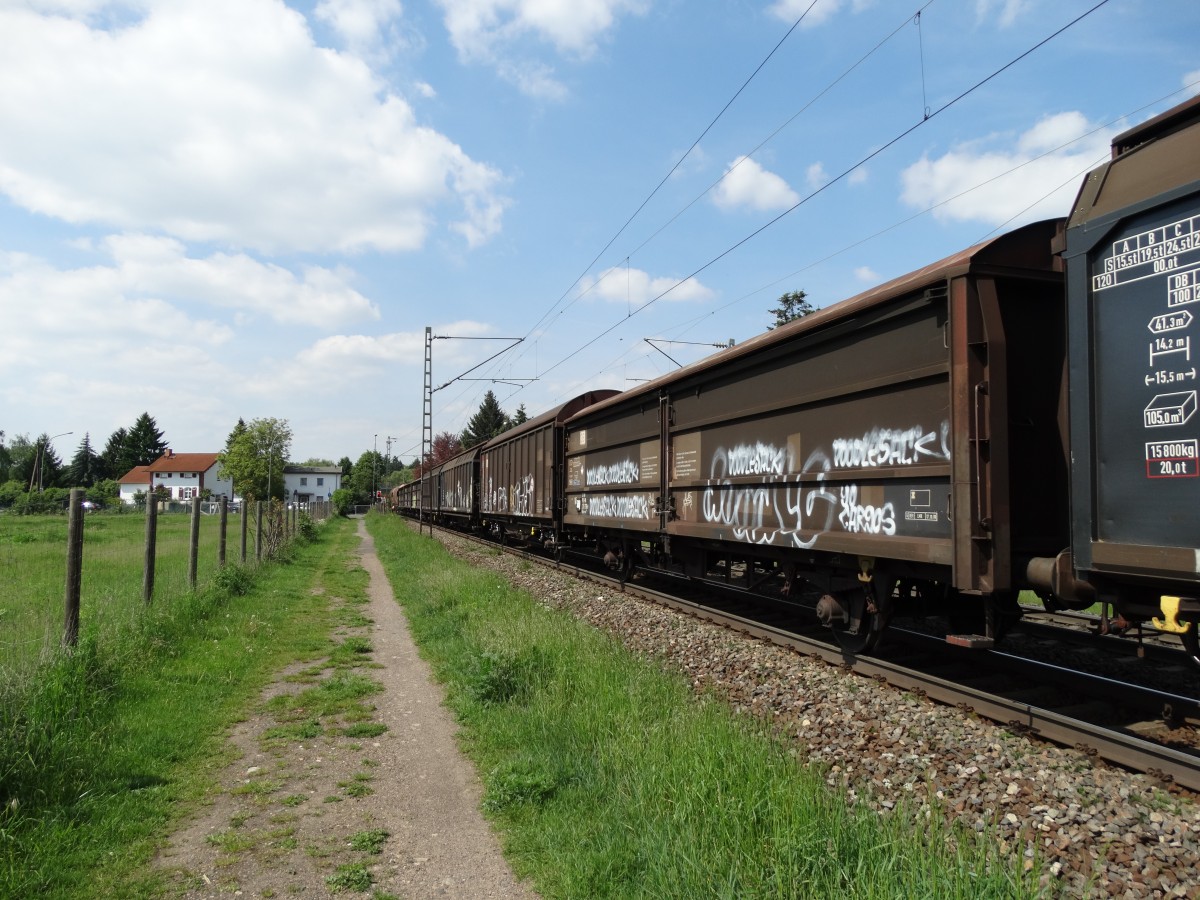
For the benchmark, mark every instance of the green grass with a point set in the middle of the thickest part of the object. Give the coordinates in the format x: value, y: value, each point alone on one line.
x: 101, y: 750
x: 608, y: 777
x: 31, y: 606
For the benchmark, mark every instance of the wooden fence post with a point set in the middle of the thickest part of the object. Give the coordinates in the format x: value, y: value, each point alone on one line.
x: 151, y: 534
x: 259, y: 526
x: 194, y: 543
x: 244, y: 515
x: 224, y: 525
x: 74, y: 568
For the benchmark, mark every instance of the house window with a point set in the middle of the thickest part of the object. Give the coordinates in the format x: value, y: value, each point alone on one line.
x: 320, y: 482
x: 303, y: 482
x: 187, y: 493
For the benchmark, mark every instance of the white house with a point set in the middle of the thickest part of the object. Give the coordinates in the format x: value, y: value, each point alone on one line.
x: 135, y: 481
x: 304, y: 483
x: 185, y: 475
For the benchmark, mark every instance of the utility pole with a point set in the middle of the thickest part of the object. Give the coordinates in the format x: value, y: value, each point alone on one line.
x: 39, y: 458
x: 374, y: 463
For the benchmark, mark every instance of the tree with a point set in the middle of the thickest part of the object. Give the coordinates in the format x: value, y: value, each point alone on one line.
x: 445, y: 446
x: 314, y: 461
x: 347, y: 465
x: 45, y: 467
x: 519, y: 418
x: 364, y: 477
x: 144, y: 442
x: 488, y: 422
x: 792, y: 305
x: 5, y: 459
x: 84, y: 468
x: 21, y: 452
x: 117, y: 458
x: 256, y: 457
x: 238, y: 430
x: 395, y: 478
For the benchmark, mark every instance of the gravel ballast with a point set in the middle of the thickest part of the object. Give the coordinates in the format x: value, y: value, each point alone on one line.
x: 1094, y: 830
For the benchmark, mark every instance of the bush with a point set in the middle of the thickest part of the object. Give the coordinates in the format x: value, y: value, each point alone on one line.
x: 233, y: 580
x: 51, y: 500
x: 306, y: 528
x: 343, y: 501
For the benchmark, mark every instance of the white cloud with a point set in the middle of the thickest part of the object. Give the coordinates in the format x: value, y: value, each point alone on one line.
x: 84, y: 330
x: 1191, y: 80
x: 425, y: 89
x: 816, y: 176
x: 748, y: 185
x: 1042, y: 187
x: 111, y: 317
x: 866, y: 274
x: 1008, y: 10
x: 822, y: 11
x: 633, y: 286
x: 858, y: 176
x: 321, y: 297
x: 495, y: 32
x: 336, y: 363
x: 362, y: 24
x: 250, y: 136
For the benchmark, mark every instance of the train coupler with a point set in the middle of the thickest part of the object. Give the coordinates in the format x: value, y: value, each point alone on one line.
x: 1178, y: 613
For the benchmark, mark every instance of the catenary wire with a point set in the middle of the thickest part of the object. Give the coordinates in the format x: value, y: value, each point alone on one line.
x: 845, y: 173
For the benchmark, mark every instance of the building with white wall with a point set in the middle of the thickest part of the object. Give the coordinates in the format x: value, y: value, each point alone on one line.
x: 186, y: 475
x: 135, y: 481
x: 304, y: 483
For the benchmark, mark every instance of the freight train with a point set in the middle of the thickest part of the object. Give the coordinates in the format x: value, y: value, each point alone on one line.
x: 1019, y: 417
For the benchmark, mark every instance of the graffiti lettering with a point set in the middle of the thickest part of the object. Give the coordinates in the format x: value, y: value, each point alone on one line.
x: 891, y: 447
x: 751, y: 459
x: 866, y: 519
x: 623, y: 472
x: 745, y: 510
x: 819, y: 463
x: 495, y: 499
x: 523, y: 497
x: 611, y: 506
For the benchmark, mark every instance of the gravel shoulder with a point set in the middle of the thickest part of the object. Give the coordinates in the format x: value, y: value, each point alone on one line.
x: 392, y: 815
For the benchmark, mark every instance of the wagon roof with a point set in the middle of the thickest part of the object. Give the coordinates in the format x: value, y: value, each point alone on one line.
x: 458, y: 459
x: 1154, y: 158
x: 1021, y: 250
x: 557, y: 415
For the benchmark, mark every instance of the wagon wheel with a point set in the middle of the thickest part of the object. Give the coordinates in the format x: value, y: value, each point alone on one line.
x: 626, y: 570
x: 1191, y: 643
x: 870, y: 610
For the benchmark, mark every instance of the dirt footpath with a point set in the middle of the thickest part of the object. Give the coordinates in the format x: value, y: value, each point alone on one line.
x: 319, y: 805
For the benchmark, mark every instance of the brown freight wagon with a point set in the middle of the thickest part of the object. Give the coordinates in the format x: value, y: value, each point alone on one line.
x: 905, y: 444
x: 518, y: 471
x: 457, y: 499
x: 406, y: 498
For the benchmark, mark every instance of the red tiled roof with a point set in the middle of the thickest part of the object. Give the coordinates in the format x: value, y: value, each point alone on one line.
x: 136, y: 475
x: 183, y: 462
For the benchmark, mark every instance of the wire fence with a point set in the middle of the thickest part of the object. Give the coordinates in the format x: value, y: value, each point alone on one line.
x: 124, y: 563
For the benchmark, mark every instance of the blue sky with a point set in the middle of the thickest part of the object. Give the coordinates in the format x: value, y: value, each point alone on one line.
x: 222, y: 208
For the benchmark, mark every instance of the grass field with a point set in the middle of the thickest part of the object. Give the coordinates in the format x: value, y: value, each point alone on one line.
x: 33, y: 552
x: 102, y: 749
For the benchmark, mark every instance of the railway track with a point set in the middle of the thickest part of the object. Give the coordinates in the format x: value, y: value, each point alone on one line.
x: 1129, y: 725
